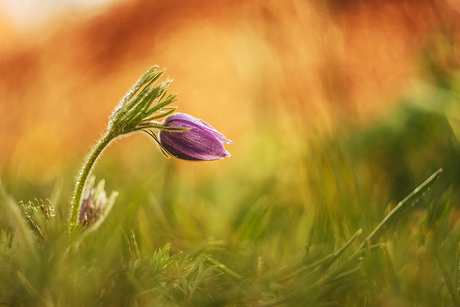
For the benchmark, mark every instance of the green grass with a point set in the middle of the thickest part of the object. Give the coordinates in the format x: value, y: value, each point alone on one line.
x: 277, y: 226
x: 294, y: 218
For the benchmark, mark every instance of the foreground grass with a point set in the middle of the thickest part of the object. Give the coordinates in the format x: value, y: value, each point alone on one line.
x: 309, y: 225
x: 293, y: 218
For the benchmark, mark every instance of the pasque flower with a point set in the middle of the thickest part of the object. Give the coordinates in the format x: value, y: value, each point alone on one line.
x: 199, y: 142
x: 95, y: 205
x: 180, y: 135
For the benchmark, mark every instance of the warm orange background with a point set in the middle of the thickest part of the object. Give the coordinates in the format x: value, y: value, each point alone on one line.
x: 235, y: 64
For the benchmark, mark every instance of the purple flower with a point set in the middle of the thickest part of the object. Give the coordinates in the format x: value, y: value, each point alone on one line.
x: 200, y: 142
x: 95, y: 205
x: 91, y: 207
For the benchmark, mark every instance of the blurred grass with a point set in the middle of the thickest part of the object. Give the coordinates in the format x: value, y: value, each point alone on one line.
x: 268, y: 214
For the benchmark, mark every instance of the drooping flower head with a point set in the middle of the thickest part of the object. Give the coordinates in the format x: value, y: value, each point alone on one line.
x: 181, y: 135
x: 200, y: 142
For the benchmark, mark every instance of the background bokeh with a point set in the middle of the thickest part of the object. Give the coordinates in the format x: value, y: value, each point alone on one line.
x: 240, y: 65
x: 337, y: 109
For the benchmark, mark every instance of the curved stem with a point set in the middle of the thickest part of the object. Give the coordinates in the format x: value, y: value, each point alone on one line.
x: 86, y: 170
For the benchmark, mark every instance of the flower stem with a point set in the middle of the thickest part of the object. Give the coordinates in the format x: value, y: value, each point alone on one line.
x: 84, y: 174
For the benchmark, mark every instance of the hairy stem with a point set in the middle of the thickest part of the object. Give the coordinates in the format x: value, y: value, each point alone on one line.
x: 84, y: 174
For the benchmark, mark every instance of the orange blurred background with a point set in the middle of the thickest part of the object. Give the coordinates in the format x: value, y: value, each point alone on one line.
x: 309, y: 64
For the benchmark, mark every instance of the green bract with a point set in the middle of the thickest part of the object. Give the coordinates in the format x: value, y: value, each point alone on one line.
x: 142, y: 104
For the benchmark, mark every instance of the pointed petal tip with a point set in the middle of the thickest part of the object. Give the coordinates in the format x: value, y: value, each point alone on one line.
x: 225, y: 155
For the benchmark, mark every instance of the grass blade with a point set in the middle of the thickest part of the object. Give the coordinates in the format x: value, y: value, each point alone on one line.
x: 450, y: 283
x: 397, y: 212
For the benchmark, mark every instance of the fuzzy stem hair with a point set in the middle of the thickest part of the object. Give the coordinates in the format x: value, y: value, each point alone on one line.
x: 84, y: 174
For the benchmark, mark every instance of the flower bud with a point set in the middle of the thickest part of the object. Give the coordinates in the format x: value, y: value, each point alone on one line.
x: 95, y: 205
x: 200, y: 142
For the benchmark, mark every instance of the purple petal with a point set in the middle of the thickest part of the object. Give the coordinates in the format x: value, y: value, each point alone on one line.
x: 185, y: 120
x: 200, y: 142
